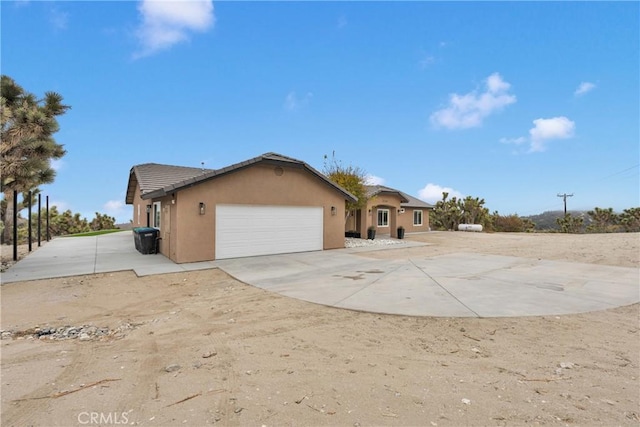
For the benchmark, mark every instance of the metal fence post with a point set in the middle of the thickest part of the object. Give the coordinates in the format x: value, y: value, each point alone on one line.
x: 15, y: 225
x: 29, y: 217
x: 39, y: 219
x: 47, y: 231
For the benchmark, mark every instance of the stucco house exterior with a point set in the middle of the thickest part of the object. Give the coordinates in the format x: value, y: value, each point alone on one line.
x: 265, y: 205
x: 386, y: 210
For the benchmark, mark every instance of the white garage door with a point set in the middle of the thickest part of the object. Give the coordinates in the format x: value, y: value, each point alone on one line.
x: 249, y: 230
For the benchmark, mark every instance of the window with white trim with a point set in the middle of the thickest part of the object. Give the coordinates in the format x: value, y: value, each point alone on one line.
x: 383, y: 217
x: 417, y: 217
x: 157, y: 209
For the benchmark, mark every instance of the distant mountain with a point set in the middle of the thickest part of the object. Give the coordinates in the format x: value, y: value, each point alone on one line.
x: 547, y: 220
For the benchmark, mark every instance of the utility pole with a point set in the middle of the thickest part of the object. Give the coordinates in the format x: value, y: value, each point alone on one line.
x: 564, y: 197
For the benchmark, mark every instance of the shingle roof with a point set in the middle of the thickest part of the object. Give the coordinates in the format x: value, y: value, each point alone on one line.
x: 154, y: 176
x: 159, y: 180
x: 415, y: 202
x: 374, y: 190
x: 408, y: 201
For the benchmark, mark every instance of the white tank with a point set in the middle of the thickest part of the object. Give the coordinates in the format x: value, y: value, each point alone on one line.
x: 469, y: 227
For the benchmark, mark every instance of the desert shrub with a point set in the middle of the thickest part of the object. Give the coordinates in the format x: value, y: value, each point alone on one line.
x: 511, y: 223
x: 630, y: 220
x: 571, y: 224
x: 602, y: 221
x: 102, y: 222
x: 448, y: 213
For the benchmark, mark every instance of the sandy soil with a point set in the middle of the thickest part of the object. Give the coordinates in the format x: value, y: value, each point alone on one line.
x: 249, y: 357
x: 6, y: 254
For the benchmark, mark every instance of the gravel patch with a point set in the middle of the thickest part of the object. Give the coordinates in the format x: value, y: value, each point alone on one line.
x: 351, y: 242
x: 82, y: 333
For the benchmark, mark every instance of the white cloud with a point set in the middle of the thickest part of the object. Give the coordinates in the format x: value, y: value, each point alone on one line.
x: 427, y: 60
x: 544, y: 130
x: 342, y: 21
x: 548, y: 129
x: 56, y: 164
x: 59, y: 204
x: 432, y: 193
x: 584, y: 88
x: 166, y: 23
x: 517, y: 141
x: 113, y: 205
x: 118, y: 210
x: 374, y: 180
x: 293, y: 103
x: 58, y: 19
x: 469, y: 110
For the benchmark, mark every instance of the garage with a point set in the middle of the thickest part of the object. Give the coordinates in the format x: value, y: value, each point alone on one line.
x: 250, y: 230
x: 270, y: 204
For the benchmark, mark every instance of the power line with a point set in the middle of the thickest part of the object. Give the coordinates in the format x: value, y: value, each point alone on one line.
x: 627, y: 173
x: 619, y: 172
x: 564, y: 197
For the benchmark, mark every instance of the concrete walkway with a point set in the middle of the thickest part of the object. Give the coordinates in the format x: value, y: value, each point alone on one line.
x: 73, y: 256
x: 453, y: 285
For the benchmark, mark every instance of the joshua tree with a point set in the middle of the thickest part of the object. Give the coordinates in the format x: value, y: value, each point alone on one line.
x: 27, y: 145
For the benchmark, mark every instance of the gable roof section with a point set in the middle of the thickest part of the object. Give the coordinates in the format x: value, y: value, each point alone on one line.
x: 415, y: 203
x: 374, y: 190
x: 159, y: 186
x: 405, y: 199
x: 154, y: 176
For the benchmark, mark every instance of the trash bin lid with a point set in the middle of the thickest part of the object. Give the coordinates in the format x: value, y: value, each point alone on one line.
x: 144, y: 229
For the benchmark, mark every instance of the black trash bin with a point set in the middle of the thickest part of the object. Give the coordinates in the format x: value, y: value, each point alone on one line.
x: 145, y: 239
x: 371, y: 233
x: 400, y: 233
x: 136, y: 237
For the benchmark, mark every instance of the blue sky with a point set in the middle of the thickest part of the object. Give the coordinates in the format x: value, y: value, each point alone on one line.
x: 510, y: 102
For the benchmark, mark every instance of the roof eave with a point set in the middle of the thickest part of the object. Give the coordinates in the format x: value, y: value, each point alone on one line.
x: 131, y: 186
x: 268, y: 159
x: 348, y: 196
x: 403, y: 199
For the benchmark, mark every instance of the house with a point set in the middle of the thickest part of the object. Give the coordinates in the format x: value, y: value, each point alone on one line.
x: 269, y: 204
x: 386, y: 210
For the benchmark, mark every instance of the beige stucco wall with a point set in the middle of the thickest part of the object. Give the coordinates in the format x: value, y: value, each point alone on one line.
x: 406, y: 220
x: 139, y: 216
x: 381, y: 201
x: 191, y: 236
x: 167, y: 228
x: 367, y: 217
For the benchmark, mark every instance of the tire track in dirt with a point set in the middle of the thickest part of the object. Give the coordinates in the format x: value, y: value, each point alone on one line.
x: 29, y: 407
x: 144, y: 383
x: 224, y: 409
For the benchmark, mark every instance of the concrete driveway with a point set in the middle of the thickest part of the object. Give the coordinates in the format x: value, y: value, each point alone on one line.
x: 453, y: 285
x: 456, y: 285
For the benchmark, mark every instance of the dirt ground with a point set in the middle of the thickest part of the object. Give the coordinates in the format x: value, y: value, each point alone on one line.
x: 6, y: 254
x: 245, y: 356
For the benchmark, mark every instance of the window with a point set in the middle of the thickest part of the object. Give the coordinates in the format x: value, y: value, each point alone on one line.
x: 157, y: 208
x: 383, y: 217
x: 417, y: 217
